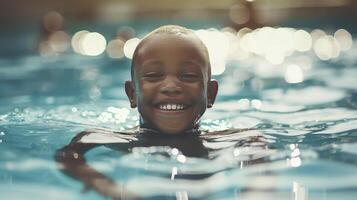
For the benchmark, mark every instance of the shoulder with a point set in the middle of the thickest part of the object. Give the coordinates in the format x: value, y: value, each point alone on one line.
x: 246, y: 135
x: 104, y: 136
x: 233, y: 131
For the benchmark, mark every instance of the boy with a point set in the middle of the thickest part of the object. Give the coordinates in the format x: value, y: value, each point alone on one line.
x: 171, y: 87
x: 171, y: 81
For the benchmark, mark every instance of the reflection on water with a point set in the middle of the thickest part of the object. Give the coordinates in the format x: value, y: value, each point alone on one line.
x: 303, y: 112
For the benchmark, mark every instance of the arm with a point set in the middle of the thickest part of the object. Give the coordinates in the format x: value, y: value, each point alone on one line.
x: 72, y: 162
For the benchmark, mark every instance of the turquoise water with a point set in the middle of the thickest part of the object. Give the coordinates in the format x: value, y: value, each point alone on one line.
x: 307, y: 146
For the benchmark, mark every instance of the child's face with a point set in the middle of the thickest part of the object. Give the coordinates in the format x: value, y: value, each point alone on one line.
x: 171, y: 88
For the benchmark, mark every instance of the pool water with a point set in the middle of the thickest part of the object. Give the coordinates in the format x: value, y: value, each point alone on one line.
x: 309, y: 128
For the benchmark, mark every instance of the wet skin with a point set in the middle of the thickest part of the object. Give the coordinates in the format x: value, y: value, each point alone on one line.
x: 171, y: 70
x: 71, y: 158
x: 72, y: 161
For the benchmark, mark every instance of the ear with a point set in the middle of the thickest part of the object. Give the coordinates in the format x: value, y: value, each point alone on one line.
x: 212, y: 92
x: 130, y: 92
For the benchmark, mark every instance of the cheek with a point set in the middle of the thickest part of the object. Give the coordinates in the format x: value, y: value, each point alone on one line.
x: 199, y: 90
x: 142, y: 89
x: 146, y: 93
x: 199, y: 95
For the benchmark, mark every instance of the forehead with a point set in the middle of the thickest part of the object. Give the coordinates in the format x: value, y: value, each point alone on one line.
x: 172, y: 48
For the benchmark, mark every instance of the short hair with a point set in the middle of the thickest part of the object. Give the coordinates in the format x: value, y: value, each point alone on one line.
x: 171, y: 30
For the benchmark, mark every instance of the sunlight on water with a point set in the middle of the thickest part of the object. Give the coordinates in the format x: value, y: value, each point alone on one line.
x: 294, y: 74
x: 293, y: 91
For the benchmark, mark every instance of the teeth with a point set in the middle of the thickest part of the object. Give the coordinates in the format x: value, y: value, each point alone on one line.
x: 171, y: 107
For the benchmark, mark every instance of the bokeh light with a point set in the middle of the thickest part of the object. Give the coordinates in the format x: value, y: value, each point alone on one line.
x: 77, y: 40
x: 317, y: 34
x: 326, y: 47
x: 243, y: 31
x: 302, y: 40
x: 217, y: 45
x: 45, y: 49
x: 93, y: 44
x: 130, y: 46
x: 53, y: 40
x: 59, y: 41
x: 115, y: 49
x: 344, y: 39
x: 53, y: 21
x: 275, y: 57
x: 273, y: 44
x: 125, y: 33
x: 239, y: 14
x: 294, y: 74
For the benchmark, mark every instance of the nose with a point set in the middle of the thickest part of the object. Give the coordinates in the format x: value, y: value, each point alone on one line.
x: 171, y: 86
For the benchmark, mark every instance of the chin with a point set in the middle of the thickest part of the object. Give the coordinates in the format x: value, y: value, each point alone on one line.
x: 173, y: 130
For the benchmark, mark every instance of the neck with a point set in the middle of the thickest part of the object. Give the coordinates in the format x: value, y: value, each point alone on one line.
x: 147, y: 128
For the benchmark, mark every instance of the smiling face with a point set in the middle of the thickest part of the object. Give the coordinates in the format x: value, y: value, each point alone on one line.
x: 171, y: 82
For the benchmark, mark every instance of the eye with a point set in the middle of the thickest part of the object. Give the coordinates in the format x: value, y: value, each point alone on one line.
x: 152, y: 76
x: 190, y: 77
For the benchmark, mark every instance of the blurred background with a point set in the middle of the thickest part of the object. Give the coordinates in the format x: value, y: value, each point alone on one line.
x: 48, y: 27
x: 286, y: 67
x: 82, y: 41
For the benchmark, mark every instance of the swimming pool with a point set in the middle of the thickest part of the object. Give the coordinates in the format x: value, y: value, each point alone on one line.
x: 309, y: 128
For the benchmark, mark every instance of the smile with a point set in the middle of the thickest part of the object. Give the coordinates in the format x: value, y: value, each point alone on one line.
x: 171, y: 107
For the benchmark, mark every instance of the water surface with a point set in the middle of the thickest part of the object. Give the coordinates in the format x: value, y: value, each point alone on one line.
x: 307, y: 146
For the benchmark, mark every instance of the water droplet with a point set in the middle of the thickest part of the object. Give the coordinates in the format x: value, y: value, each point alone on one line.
x: 295, y: 153
x: 295, y: 162
x: 174, y: 173
x: 2, y: 133
x: 74, y: 109
x: 236, y: 152
x: 181, y: 158
x: 174, y: 151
